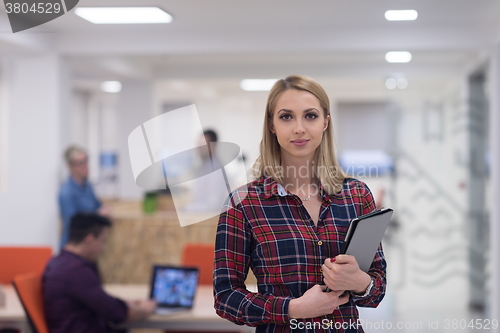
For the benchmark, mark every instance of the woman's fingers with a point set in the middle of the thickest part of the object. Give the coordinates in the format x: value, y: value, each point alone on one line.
x: 345, y: 259
x: 337, y: 293
x: 345, y: 298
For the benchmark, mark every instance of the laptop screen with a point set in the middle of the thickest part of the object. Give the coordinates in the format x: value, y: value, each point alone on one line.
x: 174, y: 286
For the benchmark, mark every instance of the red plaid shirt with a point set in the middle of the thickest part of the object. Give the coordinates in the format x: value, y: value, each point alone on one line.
x: 266, y: 228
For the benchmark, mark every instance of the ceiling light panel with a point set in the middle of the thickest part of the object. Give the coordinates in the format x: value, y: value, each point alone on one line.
x: 401, y: 15
x: 257, y: 84
x: 398, y: 56
x: 111, y: 86
x: 123, y: 15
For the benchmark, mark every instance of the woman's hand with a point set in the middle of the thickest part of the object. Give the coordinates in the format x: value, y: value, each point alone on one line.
x: 315, y: 302
x: 344, y: 274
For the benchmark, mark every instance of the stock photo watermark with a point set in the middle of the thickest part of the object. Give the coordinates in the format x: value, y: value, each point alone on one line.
x: 436, y: 324
x: 163, y: 154
x: 26, y: 14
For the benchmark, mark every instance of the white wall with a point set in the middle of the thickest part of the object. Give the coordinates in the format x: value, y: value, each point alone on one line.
x: 363, y: 126
x: 134, y: 107
x: 34, y: 88
x: 3, y: 137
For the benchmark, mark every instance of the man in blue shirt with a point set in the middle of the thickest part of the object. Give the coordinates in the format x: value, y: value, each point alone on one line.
x: 76, y: 194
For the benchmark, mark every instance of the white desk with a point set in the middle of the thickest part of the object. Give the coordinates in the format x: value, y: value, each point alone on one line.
x: 12, y: 314
x: 201, y: 317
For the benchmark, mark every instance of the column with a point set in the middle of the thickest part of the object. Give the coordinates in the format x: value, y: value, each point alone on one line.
x: 35, y: 93
x: 134, y: 107
x: 494, y: 94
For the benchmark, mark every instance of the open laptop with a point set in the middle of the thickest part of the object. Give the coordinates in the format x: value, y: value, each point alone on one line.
x: 174, y: 288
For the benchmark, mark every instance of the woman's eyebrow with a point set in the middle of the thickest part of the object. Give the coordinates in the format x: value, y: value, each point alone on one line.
x: 306, y: 110
x: 311, y: 109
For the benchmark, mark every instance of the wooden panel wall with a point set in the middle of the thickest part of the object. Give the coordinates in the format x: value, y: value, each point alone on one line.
x: 138, y: 241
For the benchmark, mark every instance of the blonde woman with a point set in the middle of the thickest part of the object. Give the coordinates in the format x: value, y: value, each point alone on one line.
x: 289, y: 223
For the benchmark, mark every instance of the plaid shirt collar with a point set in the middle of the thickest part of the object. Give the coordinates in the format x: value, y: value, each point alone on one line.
x: 273, y: 188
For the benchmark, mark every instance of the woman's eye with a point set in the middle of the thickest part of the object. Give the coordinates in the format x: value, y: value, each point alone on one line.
x: 311, y: 116
x: 285, y: 117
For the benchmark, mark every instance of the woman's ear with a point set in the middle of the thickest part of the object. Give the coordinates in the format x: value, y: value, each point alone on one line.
x: 327, y: 121
x: 271, y: 127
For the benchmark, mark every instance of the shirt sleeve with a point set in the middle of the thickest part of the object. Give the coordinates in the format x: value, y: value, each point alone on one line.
x: 67, y: 208
x: 377, y: 270
x: 97, y: 203
x: 84, y: 286
x: 233, y: 246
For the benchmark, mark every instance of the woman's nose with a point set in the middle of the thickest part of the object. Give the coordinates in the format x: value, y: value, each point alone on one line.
x: 298, y: 127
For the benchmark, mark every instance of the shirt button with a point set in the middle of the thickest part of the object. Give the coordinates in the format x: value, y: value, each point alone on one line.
x: 320, y: 243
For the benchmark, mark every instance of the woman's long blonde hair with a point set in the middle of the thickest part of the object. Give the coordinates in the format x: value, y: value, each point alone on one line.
x: 326, y: 169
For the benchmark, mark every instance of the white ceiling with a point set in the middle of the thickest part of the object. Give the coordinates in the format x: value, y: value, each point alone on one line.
x: 262, y: 38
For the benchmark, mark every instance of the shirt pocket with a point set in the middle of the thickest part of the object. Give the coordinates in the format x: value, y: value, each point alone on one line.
x: 285, y: 255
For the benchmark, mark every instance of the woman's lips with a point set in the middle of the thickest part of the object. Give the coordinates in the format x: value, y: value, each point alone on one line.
x: 300, y: 142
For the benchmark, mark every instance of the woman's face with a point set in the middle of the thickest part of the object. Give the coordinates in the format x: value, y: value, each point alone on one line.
x: 298, y: 121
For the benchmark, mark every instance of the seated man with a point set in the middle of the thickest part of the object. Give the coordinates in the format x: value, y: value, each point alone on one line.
x: 72, y: 292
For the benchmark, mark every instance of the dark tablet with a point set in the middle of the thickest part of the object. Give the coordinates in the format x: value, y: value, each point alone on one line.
x: 364, y: 236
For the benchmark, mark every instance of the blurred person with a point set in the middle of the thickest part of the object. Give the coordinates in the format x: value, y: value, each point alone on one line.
x: 288, y: 226
x: 210, y: 162
x: 76, y: 193
x: 208, y: 136
x: 73, y: 297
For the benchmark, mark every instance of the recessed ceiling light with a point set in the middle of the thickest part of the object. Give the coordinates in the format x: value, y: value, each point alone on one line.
x: 257, y: 84
x: 396, y: 81
x: 111, y: 86
x: 400, y: 56
x: 391, y: 83
x: 401, y: 15
x: 123, y: 15
x: 402, y: 83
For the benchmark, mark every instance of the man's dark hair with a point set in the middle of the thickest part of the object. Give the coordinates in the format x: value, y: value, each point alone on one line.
x: 212, y: 136
x: 84, y: 224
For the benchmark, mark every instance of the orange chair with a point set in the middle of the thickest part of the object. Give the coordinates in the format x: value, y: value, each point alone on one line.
x: 29, y: 289
x: 201, y: 256
x: 20, y: 260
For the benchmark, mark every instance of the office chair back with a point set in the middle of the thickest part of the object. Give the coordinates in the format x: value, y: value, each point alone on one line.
x: 29, y: 289
x: 201, y: 256
x: 20, y: 260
